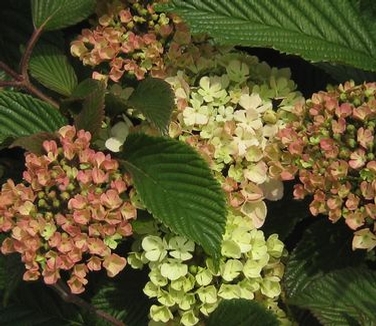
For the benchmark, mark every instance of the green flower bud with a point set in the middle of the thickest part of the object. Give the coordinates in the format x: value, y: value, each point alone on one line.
x: 56, y: 203
x: 270, y: 116
x: 193, y: 269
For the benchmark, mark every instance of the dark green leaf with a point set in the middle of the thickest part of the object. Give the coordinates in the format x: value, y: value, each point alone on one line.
x: 319, y: 31
x: 323, y: 248
x: 283, y: 215
x: 177, y: 187
x: 23, y: 115
x: 88, y: 100
x: 368, y: 12
x: 344, y: 73
x: 16, y: 28
x: 13, y: 271
x: 124, y: 299
x: 154, y: 98
x: 56, y: 14
x: 51, y: 68
x: 36, y: 305
x: 342, y: 297
x: 241, y: 312
x: 3, y: 278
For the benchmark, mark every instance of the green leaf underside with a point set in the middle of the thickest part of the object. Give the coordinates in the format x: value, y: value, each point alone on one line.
x: 56, y: 14
x: 241, y: 312
x: 323, y: 248
x: 23, y: 115
x: 341, y: 296
x: 92, y: 95
x: 154, y: 98
x: 51, y: 68
x: 34, y: 143
x: 177, y: 187
x: 329, y: 31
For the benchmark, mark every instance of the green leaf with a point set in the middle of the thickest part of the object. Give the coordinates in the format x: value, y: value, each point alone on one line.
x: 13, y: 270
x: 329, y: 31
x: 154, y: 98
x: 23, y: 115
x: 323, y: 248
x: 177, y: 187
x: 241, y: 312
x: 16, y: 28
x: 56, y: 14
x: 344, y: 73
x: 50, y: 67
x: 124, y: 299
x: 88, y: 98
x: 3, y: 274
x: 283, y: 215
x: 34, y: 304
x: 342, y: 297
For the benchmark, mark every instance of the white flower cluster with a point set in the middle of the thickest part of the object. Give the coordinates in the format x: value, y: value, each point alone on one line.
x: 230, y: 116
x: 188, y: 288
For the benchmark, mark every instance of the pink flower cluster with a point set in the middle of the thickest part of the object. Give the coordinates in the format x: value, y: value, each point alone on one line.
x: 331, y: 145
x: 69, y: 213
x: 129, y: 38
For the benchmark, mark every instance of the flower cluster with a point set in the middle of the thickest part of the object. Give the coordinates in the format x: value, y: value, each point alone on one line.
x: 231, y: 116
x: 188, y: 287
x: 69, y: 212
x: 331, y: 145
x: 129, y: 38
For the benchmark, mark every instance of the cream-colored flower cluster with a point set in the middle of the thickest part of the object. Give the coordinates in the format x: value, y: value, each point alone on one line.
x: 231, y: 116
x: 188, y: 287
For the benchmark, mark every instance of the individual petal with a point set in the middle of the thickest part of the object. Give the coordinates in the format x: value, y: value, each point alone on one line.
x: 114, y: 264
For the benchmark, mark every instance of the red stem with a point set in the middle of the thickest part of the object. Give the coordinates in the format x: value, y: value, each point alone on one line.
x: 67, y: 296
x: 22, y: 80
